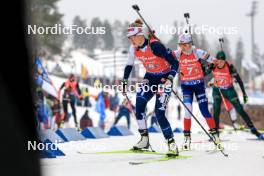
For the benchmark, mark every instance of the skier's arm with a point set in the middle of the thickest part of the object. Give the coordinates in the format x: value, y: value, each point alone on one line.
x: 235, y: 74
x: 78, y: 89
x: 160, y: 50
x: 206, y: 60
x: 59, y: 92
x: 204, y: 55
x: 127, y: 71
x: 209, y: 68
x: 128, y: 68
x: 130, y: 63
x: 61, y: 87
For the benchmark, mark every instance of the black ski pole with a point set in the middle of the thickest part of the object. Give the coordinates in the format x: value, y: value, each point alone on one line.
x: 187, y: 17
x: 136, y: 8
x: 221, y: 149
x: 221, y: 41
x: 133, y: 112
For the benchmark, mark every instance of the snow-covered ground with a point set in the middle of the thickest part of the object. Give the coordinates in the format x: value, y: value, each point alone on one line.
x: 245, y: 158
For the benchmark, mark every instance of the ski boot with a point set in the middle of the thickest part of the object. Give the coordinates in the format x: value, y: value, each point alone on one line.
x: 172, y: 148
x: 187, y: 141
x: 215, y: 136
x: 143, y: 144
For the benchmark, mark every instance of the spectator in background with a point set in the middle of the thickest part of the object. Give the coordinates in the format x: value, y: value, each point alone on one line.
x: 102, y: 103
x: 48, y: 105
x: 56, y: 112
x: 65, y: 100
x: 114, y: 102
x: 79, y: 102
x: 107, y: 100
x: 125, y: 109
x: 86, y: 97
x: 86, y: 121
x: 42, y: 111
x: 71, y: 92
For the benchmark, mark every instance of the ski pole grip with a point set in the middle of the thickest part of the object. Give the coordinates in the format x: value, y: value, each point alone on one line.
x: 186, y: 15
x: 135, y: 7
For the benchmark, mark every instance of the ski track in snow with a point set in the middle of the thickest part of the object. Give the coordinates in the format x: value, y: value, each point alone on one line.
x: 246, y: 158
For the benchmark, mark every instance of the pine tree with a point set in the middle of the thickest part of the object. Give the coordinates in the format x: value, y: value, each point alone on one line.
x: 94, y: 41
x: 125, y: 42
x: 226, y: 48
x: 45, y: 14
x: 196, y: 39
x: 257, y: 59
x: 173, y: 42
x: 204, y: 45
x: 108, y: 38
x: 79, y: 40
x: 262, y: 63
x: 117, y: 33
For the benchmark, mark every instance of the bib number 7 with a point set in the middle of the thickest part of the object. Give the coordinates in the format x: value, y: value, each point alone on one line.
x: 189, y: 70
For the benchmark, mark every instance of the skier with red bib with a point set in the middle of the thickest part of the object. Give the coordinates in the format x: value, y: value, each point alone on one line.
x: 161, y: 68
x: 192, y: 83
x: 224, y: 72
x: 71, y: 92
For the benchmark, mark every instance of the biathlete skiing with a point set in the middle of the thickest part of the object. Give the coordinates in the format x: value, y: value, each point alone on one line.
x: 192, y: 83
x: 224, y: 72
x: 71, y: 92
x: 161, y: 67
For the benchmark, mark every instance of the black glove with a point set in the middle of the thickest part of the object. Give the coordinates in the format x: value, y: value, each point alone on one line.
x: 211, y: 66
x: 210, y: 84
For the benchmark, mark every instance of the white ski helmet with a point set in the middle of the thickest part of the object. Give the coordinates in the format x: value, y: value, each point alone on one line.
x: 185, y: 38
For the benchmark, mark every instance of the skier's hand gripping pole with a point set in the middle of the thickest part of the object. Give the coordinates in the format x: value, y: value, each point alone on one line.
x: 212, y: 139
